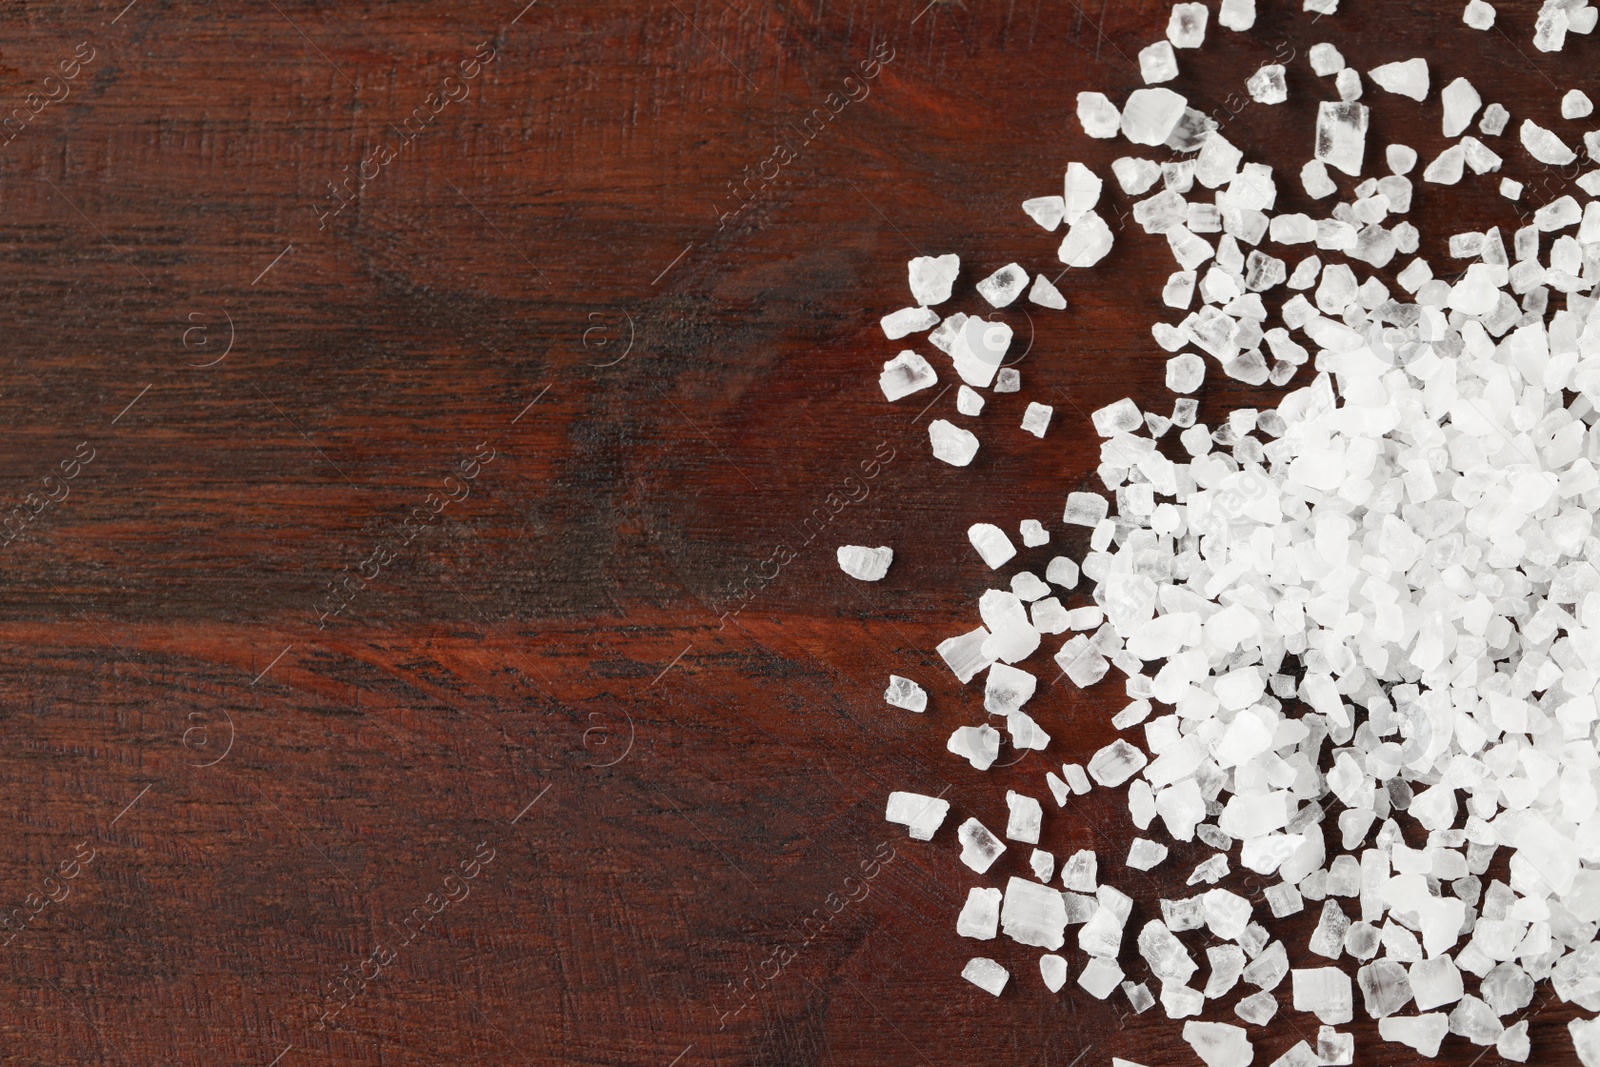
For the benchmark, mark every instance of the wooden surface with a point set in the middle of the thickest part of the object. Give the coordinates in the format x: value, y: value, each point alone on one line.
x: 544, y: 683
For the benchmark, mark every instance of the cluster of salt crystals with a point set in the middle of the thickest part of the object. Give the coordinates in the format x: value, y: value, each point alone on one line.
x: 1405, y: 546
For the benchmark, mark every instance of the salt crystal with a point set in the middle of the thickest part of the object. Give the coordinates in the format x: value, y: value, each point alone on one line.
x: 951, y: 443
x: 1238, y: 15
x: 1077, y: 778
x: 986, y: 974
x: 1098, y: 115
x: 1004, y: 285
x: 1435, y: 982
x: 1461, y: 103
x: 1506, y: 989
x: 1053, y: 969
x: 1227, y: 964
x: 1034, y: 914
x: 1116, y: 763
x: 1135, y: 176
x: 980, y: 916
x: 1102, y: 934
x: 1269, y: 968
x: 1494, y: 120
x: 867, y: 564
x: 1141, y: 1001
x: 1120, y: 417
x: 1036, y: 419
x: 978, y: 745
x: 1144, y: 854
x: 1284, y: 900
x: 1158, y: 63
x: 1100, y: 976
x: 1325, y: 992
x: 897, y: 324
x: 1421, y: 1032
x: 1087, y: 242
x: 1007, y: 689
x: 1479, y: 15
x: 1257, y: 1009
x: 1576, y: 105
x: 1326, y: 60
x: 1448, y: 167
x: 1513, y: 1043
x: 1348, y: 84
x: 964, y: 655
x: 905, y: 374
x: 1081, y: 192
x: 1219, y: 1044
x: 904, y: 693
x: 1545, y: 146
x: 1079, y: 871
x: 1186, y: 28
x: 992, y: 544
x: 1341, y: 136
x: 1550, y: 29
x: 979, y: 847
x: 1045, y: 294
x: 1409, y: 78
x: 1150, y: 115
x: 932, y: 277
x: 968, y: 400
x: 1047, y: 211
x: 921, y: 815
x: 1385, y: 988
x: 1267, y: 85
x: 1226, y: 913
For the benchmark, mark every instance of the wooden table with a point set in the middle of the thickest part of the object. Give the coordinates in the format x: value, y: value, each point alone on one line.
x: 407, y: 391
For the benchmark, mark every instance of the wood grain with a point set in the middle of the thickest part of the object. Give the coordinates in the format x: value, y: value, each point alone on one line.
x: 553, y: 669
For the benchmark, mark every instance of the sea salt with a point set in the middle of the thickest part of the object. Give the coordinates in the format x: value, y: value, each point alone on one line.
x: 906, y: 694
x: 867, y: 564
x: 986, y: 974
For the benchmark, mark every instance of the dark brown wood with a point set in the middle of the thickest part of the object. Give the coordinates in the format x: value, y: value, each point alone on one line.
x: 549, y: 682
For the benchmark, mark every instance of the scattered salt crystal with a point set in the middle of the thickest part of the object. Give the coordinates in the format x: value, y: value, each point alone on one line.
x: 906, y: 374
x: 1045, y: 210
x: 1034, y: 914
x: 1326, y: 60
x: 1116, y: 763
x: 1100, y: 976
x: 932, y: 277
x: 1461, y: 103
x: 1185, y: 373
x: 1134, y: 175
x: 1401, y: 158
x: 1087, y: 242
x: 1045, y: 294
x: 1448, y: 167
x: 1077, y: 778
x: 1435, y: 982
x: 1269, y: 968
x: 1479, y: 15
x: 1576, y: 105
x: 1026, y: 815
x: 1341, y: 137
x: 1267, y: 85
x: 980, y: 916
x: 897, y: 324
x: 1545, y: 146
x: 1219, y: 1044
x: 1513, y: 1043
x: 1144, y: 854
x: 951, y: 443
x: 1007, y: 689
x: 979, y: 847
x: 1098, y: 115
x: 992, y: 544
x: 1053, y: 969
x: 1238, y: 15
x: 1119, y: 417
x: 1550, y: 29
x: 1004, y: 285
x: 921, y: 815
x: 1408, y: 78
x: 1150, y: 115
x: 1325, y: 992
x: 1036, y: 419
x: 986, y: 974
x: 978, y: 745
x: 1158, y: 63
x: 1227, y: 964
x: 906, y: 694
x: 1081, y: 192
x: 1494, y: 120
x: 1348, y: 84
x: 1061, y: 570
x: 1186, y: 28
x: 867, y: 564
x: 1257, y: 1009
x: 1421, y: 1032
x: 968, y: 400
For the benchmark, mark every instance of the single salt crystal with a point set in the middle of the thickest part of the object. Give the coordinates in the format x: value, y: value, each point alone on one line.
x: 1102, y: 934
x: 1034, y: 914
x: 1348, y: 84
x: 1047, y: 211
x: 968, y: 400
x: 1421, y: 1032
x: 1081, y: 192
x: 904, y: 693
x: 919, y: 814
x: 1036, y: 419
x: 1033, y: 535
x: 1025, y: 813
x: 978, y: 745
x: 1209, y: 871
x: 1226, y: 913
x: 1448, y: 167
x: 1513, y: 1043
x: 964, y: 656
x: 1135, y: 175
x: 1053, y: 969
x: 1545, y: 146
x: 897, y: 324
x: 1141, y: 1001
x: 905, y: 374
x: 1120, y: 417
x: 1186, y: 28
x: 1227, y: 964
x: 1180, y: 1002
x: 1185, y: 373
x: 1269, y: 968
x: 1061, y: 570
x: 1435, y: 982
x: 1550, y: 29
x: 979, y: 848
x: 1585, y: 1035
x: 1506, y: 988
x: 980, y: 916
x: 932, y: 277
x: 1046, y: 295
x: 1077, y: 778
x: 1043, y: 864
x: 1237, y: 15
x: 1144, y: 854
x: 1165, y: 954
x: 867, y: 564
x: 1158, y: 63
x: 1284, y: 900
x: 1341, y: 136
x: 1217, y: 162
x: 1576, y: 105
x: 1098, y: 115
x: 1267, y: 85
x: 1461, y: 103
x: 1479, y: 156
x: 1087, y: 242
x: 1479, y: 15
x: 1494, y: 120
x: 1004, y: 285
x: 1325, y: 992
x: 1150, y: 115
x: 1334, y: 1047
x: 1025, y: 733
x: 1257, y: 1009
x: 1179, y: 290
x: 1007, y: 689
x: 1100, y: 976
x: 1116, y: 763
x: 992, y: 544
x: 986, y: 974
x: 1219, y: 1044
x: 1385, y: 988
x: 1408, y: 78
x: 1078, y: 874
x: 1473, y: 1020
x: 1401, y: 158
x: 1299, y: 1055
x: 951, y: 443
x: 1326, y: 60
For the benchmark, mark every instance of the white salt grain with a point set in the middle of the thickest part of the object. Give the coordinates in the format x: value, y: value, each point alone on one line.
x: 1326, y: 60
x: 905, y: 374
x: 907, y: 320
x: 1037, y: 419
x: 921, y: 815
x: 1479, y: 15
x: 1408, y: 78
x: 1158, y: 63
x: 968, y: 400
x: 986, y: 974
x: 867, y: 564
x: 932, y: 277
x: 1045, y: 294
x: 992, y: 544
x: 951, y: 443
x: 906, y: 694
x: 1004, y: 285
